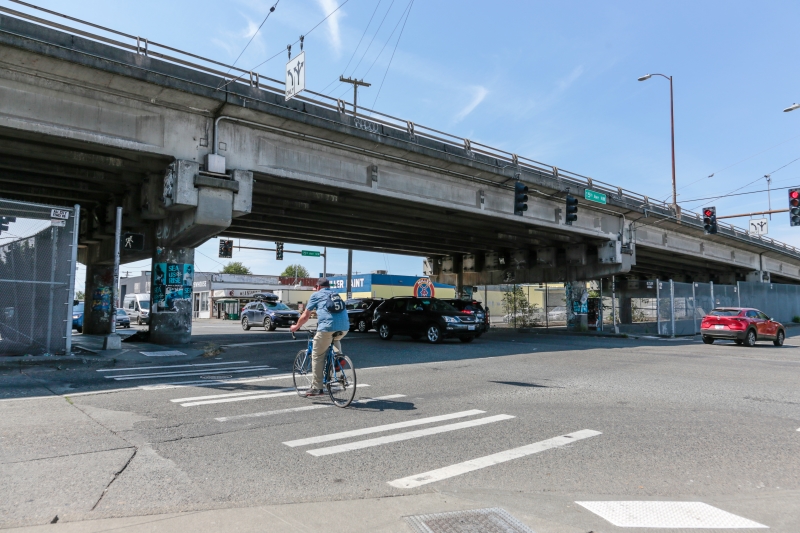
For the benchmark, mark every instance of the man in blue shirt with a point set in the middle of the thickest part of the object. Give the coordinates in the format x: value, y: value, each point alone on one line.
x: 331, y: 327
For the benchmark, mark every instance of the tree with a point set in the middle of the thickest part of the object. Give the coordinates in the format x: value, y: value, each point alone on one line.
x: 519, y: 311
x: 295, y: 271
x: 235, y: 267
x: 79, y: 296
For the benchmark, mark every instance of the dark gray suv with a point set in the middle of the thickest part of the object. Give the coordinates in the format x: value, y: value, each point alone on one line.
x: 429, y: 318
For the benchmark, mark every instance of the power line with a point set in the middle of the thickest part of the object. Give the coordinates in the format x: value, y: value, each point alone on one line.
x: 271, y: 10
x: 283, y: 50
x: 742, y: 193
x: 408, y: 14
x: 738, y: 162
x: 357, y: 46
x: 385, y: 44
x: 752, y: 182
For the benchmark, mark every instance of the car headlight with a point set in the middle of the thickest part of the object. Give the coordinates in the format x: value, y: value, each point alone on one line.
x: 75, y: 317
x: 450, y: 319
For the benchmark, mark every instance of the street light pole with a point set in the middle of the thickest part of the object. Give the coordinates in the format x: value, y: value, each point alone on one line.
x: 672, y: 126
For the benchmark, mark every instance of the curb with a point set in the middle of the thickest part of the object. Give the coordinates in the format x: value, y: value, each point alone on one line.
x: 18, y: 362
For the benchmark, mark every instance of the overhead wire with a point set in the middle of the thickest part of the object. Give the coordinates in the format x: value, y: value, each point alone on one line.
x: 752, y: 182
x: 357, y: 46
x: 388, y: 40
x: 271, y: 10
x: 340, y: 6
x: 370, y: 42
x: 408, y: 14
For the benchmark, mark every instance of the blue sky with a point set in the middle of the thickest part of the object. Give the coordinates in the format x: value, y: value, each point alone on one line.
x: 554, y: 81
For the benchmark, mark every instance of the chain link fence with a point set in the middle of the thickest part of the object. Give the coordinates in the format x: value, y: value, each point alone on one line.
x: 530, y: 305
x: 37, y: 269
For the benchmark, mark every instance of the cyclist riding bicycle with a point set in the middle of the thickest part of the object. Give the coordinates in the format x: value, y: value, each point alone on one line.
x: 332, y: 326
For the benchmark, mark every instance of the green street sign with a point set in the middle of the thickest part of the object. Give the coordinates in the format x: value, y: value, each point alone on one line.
x: 309, y: 253
x: 593, y: 196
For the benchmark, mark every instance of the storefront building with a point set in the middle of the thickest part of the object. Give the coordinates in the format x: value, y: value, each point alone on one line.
x: 387, y: 286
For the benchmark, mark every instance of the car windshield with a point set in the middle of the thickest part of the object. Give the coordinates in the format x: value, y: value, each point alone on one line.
x: 144, y: 304
x: 356, y: 304
x: 78, y: 308
x: 277, y: 306
x: 121, y: 312
x: 724, y: 312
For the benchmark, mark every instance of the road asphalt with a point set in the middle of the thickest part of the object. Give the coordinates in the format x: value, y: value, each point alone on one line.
x: 213, y: 438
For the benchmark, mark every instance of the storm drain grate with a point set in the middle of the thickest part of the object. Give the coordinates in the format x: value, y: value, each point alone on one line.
x: 492, y: 520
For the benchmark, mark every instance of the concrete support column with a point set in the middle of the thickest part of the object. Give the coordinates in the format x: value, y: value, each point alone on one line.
x: 171, y: 295
x: 625, y: 309
x: 99, y: 307
x: 577, y: 296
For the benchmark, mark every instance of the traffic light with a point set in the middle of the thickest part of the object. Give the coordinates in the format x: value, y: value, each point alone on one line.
x: 226, y: 249
x: 710, y: 220
x: 520, y: 198
x: 572, y: 209
x: 5, y: 221
x: 279, y: 251
x: 794, y: 207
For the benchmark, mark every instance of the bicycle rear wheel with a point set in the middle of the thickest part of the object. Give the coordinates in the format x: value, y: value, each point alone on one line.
x: 342, y: 385
x: 301, y: 372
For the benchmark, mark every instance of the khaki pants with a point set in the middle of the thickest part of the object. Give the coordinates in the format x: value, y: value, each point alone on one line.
x: 323, y: 340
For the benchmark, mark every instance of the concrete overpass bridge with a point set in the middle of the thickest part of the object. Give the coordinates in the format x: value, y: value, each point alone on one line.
x: 101, y: 119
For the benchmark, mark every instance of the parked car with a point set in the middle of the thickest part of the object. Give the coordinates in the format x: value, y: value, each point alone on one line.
x: 77, y: 317
x: 472, y: 307
x: 743, y: 325
x: 431, y: 318
x: 267, y: 311
x: 123, y: 320
x: 360, y: 311
x: 137, y: 306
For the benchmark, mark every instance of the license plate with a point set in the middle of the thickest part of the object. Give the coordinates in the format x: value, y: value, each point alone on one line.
x: 291, y: 322
x: 719, y: 326
x: 470, y: 328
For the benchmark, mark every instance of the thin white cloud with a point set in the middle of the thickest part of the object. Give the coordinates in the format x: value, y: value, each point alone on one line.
x: 573, y: 76
x: 334, y: 34
x: 251, y: 29
x: 478, y: 94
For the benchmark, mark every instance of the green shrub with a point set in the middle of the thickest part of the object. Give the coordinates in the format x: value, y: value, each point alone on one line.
x: 796, y: 319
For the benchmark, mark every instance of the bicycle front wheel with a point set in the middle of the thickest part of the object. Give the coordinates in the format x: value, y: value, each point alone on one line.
x: 342, y: 385
x: 301, y: 372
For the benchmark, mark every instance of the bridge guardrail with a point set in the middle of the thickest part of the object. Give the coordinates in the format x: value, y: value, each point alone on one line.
x: 250, y: 78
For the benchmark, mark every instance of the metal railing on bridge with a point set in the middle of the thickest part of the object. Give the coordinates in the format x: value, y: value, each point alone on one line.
x: 251, y: 78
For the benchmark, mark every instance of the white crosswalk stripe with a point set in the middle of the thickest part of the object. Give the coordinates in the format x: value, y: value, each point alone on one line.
x: 238, y: 370
x: 277, y: 393
x: 490, y: 460
x: 212, y: 383
x: 306, y: 408
x: 379, y: 429
x: 169, y: 366
x: 358, y: 445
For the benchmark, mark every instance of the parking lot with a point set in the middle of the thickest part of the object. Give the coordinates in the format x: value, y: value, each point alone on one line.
x: 529, y: 423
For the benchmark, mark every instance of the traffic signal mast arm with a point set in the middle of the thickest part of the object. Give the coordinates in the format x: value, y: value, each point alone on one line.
x: 322, y: 254
x: 753, y: 214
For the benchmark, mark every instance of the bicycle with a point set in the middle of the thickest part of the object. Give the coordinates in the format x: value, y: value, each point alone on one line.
x: 338, y: 376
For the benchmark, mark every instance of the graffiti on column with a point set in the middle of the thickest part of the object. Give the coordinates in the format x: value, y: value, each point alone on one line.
x: 172, y: 282
x: 103, y: 282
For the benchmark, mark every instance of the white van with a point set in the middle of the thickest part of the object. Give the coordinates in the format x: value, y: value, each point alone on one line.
x: 138, y: 307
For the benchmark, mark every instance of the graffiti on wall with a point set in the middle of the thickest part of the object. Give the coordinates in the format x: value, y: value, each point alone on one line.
x: 172, y: 282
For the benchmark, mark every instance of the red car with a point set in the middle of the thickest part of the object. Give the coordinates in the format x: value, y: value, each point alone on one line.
x: 742, y: 324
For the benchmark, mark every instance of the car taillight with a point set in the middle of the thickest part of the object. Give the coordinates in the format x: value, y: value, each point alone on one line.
x: 467, y: 311
x: 737, y: 323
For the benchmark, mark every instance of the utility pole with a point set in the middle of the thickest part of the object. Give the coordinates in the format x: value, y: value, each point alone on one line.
x: 356, y: 84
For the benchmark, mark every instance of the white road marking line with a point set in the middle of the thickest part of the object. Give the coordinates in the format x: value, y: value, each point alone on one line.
x: 490, y: 460
x: 211, y: 383
x: 228, y: 395
x: 168, y: 366
x: 306, y: 408
x: 239, y: 370
x: 274, y: 394
x: 165, y: 353
x: 668, y: 515
x: 385, y: 427
x: 407, y: 435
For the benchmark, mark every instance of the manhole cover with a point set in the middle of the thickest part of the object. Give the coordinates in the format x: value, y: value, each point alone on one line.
x: 493, y: 520
x: 216, y: 377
